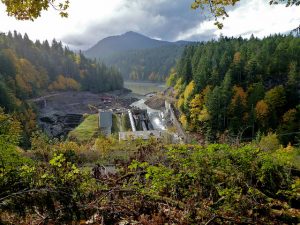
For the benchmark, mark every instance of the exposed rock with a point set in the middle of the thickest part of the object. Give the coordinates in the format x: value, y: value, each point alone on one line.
x: 59, y: 125
x: 156, y: 102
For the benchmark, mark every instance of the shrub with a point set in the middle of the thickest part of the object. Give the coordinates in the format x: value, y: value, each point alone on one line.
x: 269, y: 142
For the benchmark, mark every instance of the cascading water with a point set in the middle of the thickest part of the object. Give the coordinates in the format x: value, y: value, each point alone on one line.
x: 156, y: 116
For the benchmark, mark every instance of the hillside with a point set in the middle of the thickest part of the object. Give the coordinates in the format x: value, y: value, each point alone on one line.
x: 138, y: 57
x: 28, y: 69
x: 146, y: 64
x: 240, y: 88
x: 121, y: 43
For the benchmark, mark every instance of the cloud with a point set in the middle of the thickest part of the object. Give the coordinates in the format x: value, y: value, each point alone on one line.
x: 92, y: 20
x: 162, y: 19
x: 250, y: 17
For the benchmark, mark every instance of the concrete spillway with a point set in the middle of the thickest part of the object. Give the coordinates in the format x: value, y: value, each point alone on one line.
x: 144, y: 126
x: 131, y: 121
x: 155, y: 117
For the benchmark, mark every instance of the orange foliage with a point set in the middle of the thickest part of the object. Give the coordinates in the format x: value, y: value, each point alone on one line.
x: 64, y: 83
x: 262, y: 110
x: 237, y: 58
x: 28, y: 78
x: 239, y: 93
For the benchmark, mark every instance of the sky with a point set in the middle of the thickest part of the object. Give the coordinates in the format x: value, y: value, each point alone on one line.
x: 90, y: 21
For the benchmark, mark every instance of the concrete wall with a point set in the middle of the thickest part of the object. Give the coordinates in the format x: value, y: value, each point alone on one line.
x: 176, y: 123
x: 105, y: 122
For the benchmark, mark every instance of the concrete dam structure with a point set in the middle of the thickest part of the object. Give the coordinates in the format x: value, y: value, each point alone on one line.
x: 131, y: 124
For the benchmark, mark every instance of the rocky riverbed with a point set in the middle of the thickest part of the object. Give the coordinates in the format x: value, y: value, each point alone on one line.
x: 60, y: 112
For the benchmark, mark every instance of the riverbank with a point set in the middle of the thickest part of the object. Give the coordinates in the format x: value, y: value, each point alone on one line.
x: 61, y: 112
x: 143, y: 88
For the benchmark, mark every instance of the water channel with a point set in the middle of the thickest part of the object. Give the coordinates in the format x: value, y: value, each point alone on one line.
x: 156, y: 117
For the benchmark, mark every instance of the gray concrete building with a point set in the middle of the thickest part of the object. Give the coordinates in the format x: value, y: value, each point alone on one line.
x: 105, y: 122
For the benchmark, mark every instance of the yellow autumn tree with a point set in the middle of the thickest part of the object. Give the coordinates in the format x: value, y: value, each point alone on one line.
x: 262, y: 111
x: 28, y: 78
x: 30, y: 10
x: 204, y: 115
x: 171, y: 80
x: 290, y: 115
x: 237, y: 58
x: 239, y: 93
x: 197, y: 109
x: 28, y: 120
x: 180, y: 103
x: 64, y: 83
x: 275, y: 97
x: 179, y: 87
x: 196, y: 105
x: 23, y: 85
x: 183, y: 121
x: 238, y: 100
x: 187, y: 94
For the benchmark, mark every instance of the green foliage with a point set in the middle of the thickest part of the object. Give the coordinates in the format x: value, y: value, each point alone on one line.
x: 87, y: 130
x: 219, y: 179
x: 147, y: 64
x: 10, y: 130
x: 31, y: 10
x: 57, y: 189
x: 251, y: 86
x: 194, y: 182
x: 269, y: 142
x: 171, y: 80
x: 28, y: 70
x: 218, y: 8
x: 290, y: 126
x: 276, y: 97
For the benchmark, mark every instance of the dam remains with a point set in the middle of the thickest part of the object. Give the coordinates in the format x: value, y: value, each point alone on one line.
x: 129, y: 124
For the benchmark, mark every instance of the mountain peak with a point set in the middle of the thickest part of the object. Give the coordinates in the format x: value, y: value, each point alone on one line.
x: 131, y: 33
x: 128, y: 41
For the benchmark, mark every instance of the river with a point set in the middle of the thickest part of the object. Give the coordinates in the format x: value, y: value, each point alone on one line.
x: 142, y: 88
x: 156, y: 116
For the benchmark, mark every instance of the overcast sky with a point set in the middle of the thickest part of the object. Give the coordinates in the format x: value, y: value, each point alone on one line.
x: 92, y: 20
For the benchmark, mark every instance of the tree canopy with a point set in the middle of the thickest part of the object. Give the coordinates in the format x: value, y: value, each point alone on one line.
x: 31, y: 9
x: 29, y: 69
x: 234, y: 84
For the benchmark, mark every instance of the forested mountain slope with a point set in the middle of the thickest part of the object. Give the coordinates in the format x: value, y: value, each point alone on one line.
x: 28, y: 69
x: 121, y: 43
x: 138, y: 57
x: 147, y: 64
x: 240, y: 87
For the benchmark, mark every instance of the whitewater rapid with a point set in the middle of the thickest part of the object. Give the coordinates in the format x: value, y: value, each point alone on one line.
x: 156, y: 116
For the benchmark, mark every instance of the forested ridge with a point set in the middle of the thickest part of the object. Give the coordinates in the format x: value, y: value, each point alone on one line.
x: 147, y: 64
x: 137, y: 56
x: 240, y: 87
x: 29, y: 69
